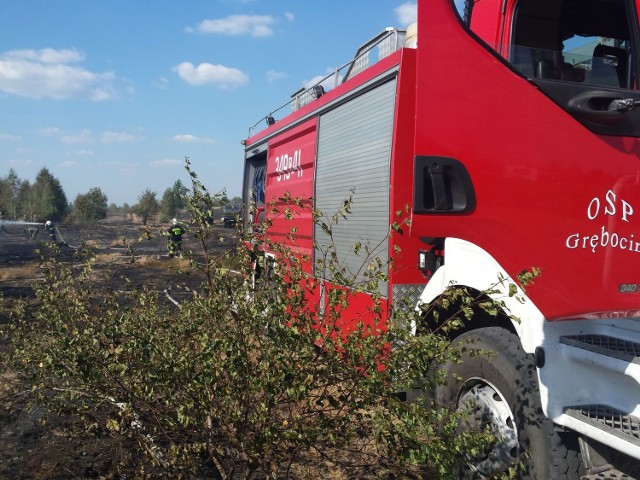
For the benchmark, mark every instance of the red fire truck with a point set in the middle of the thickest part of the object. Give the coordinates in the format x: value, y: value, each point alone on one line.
x: 510, y: 128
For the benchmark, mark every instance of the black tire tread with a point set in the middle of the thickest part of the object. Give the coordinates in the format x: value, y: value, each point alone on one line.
x: 563, y: 463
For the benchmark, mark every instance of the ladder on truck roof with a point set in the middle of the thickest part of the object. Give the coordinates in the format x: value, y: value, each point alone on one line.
x: 368, y: 54
x: 387, y: 42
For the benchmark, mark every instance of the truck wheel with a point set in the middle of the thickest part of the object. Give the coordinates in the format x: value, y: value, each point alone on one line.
x: 502, y: 392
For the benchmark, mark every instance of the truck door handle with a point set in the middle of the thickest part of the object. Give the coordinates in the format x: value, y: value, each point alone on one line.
x: 442, y: 185
x: 598, y: 106
x: 439, y: 190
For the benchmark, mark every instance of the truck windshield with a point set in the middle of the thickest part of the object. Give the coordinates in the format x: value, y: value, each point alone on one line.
x: 583, y: 41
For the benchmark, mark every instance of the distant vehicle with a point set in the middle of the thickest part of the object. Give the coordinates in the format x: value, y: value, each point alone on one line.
x: 230, y: 214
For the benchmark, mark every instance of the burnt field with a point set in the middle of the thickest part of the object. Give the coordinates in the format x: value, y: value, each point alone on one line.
x: 132, y: 256
x: 115, y: 241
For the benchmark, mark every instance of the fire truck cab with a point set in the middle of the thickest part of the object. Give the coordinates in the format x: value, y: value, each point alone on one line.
x: 511, y: 130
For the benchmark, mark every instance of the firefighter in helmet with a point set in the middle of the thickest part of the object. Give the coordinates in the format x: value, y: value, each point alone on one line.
x: 50, y: 228
x: 174, y: 234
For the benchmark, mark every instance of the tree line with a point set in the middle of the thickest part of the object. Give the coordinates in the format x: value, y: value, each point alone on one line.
x: 45, y: 199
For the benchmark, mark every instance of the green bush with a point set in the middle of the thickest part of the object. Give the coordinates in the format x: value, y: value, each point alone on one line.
x: 89, y: 207
x: 147, y: 206
x: 245, y: 378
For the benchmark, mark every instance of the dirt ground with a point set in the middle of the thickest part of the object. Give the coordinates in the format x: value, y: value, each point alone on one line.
x: 29, y: 449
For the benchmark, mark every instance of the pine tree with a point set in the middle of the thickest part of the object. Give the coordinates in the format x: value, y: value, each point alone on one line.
x: 147, y: 205
x: 172, y: 201
x: 48, y: 199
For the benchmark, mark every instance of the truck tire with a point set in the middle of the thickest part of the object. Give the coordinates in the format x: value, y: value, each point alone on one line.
x: 502, y: 390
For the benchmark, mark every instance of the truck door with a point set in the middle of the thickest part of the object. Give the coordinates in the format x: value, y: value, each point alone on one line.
x: 537, y: 106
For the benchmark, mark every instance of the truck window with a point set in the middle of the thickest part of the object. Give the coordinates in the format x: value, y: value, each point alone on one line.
x: 463, y: 7
x: 582, y: 41
x: 255, y: 176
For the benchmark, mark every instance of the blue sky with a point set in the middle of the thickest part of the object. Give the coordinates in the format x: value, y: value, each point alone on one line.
x: 115, y: 93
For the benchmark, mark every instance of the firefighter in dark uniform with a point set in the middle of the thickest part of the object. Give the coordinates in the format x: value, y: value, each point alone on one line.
x: 50, y: 228
x: 175, y: 233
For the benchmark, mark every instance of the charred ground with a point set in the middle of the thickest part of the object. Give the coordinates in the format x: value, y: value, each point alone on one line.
x: 134, y: 256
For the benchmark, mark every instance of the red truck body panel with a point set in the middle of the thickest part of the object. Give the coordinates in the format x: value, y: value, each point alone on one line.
x: 549, y: 191
x: 290, y: 171
x: 509, y: 139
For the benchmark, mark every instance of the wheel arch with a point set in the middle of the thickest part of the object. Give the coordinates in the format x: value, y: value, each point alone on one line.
x: 479, y: 319
x: 468, y: 266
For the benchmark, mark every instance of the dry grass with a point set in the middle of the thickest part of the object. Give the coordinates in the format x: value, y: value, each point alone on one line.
x: 23, y: 272
x: 106, y: 258
x: 151, y: 261
x: 92, y: 243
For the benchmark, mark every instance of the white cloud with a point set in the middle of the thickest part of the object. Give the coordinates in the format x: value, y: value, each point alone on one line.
x: 289, y: 16
x: 118, y: 137
x: 313, y: 81
x: 83, y: 136
x: 254, y: 25
x: 6, y: 137
x: 50, y: 73
x: 274, y: 76
x: 85, y: 153
x: 192, y: 139
x: 50, y: 132
x: 167, y: 162
x: 119, y: 164
x: 46, y: 55
x: 101, y: 94
x: 162, y: 83
x: 407, y: 13
x: 209, y: 74
x: 328, y: 83
x: 16, y: 162
x: 16, y: 159
x: 87, y: 136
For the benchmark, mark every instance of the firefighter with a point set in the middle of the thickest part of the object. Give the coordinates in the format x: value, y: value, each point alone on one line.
x: 50, y: 228
x: 175, y: 233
